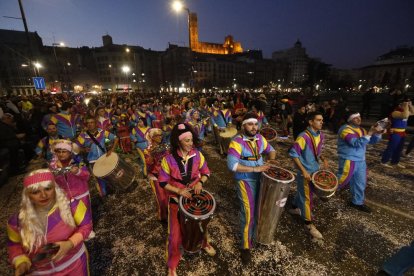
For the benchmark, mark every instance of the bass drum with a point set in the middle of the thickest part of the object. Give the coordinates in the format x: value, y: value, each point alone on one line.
x: 226, y: 136
x: 119, y: 174
x: 195, y: 214
x: 274, y: 190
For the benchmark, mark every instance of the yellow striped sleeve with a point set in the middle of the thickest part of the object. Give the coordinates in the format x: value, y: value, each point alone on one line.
x: 164, y: 166
x: 80, y: 212
x: 13, y: 235
x: 202, y: 160
x: 301, y: 142
x: 236, y: 146
x: 21, y: 259
x: 346, y: 131
x: 264, y: 143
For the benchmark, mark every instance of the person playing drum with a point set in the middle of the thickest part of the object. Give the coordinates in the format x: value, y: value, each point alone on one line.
x: 185, y: 168
x: 220, y: 119
x: 306, y: 152
x: 352, y: 169
x: 153, y: 156
x: 92, y: 141
x: 245, y: 159
x: 47, y: 236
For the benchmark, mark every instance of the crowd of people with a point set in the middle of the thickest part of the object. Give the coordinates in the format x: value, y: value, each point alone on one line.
x: 166, y: 134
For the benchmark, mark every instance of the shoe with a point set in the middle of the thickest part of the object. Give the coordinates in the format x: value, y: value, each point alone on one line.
x: 172, y: 272
x: 363, y: 207
x: 387, y: 165
x: 210, y: 250
x: 246, y: 256
x: 401, y: 166
x: 295, y: 211
x: 313, y: 231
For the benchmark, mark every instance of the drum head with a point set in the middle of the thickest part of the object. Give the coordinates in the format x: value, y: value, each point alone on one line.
x: 269, y: 133
x: 105, y: 165
x: 325, y: 180
x: 279, y: 174
x: 228, y: 132
x: 198, y: 207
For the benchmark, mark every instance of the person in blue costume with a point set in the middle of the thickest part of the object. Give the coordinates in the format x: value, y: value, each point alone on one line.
x: 352, y: 146
x: 306, y: 153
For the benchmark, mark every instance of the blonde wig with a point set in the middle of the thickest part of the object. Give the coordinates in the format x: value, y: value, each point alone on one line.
x: 31, y: 231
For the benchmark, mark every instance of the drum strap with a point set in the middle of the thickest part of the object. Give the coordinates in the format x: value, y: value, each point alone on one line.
x: 95, y: 141
x: 313, y: 145
x: 251, y: 158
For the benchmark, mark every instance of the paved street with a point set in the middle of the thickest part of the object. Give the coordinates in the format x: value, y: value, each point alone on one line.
x: 130, y: 241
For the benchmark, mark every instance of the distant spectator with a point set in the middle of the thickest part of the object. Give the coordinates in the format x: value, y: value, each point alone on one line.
x: 299, y: 121
x: 9, y: 139
x: 366, y: 103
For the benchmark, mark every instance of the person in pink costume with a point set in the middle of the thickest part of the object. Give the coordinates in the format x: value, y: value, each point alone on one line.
x: 47, y: 236
x: 153, y: 156
x: 184, y: 169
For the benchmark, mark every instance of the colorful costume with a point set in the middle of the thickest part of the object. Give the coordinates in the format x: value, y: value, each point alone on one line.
x: 85, y: 141
x: 104, y: 123
x: 66, y: 124
x: 307, y: 148
x: 180, y: 174
x: 352, y: 144
x: 153, y: 157
x: 43, y: 147
x: 396, y: 140
x: 75, y: 262
x: 247, y: 152
x: 138, y: 137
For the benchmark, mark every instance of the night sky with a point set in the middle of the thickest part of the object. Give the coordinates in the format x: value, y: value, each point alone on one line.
x: 346, y: 34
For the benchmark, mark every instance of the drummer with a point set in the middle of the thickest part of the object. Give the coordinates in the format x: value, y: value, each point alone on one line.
x: 92, y: 141
x: 352, y: 145
x: 185, y: 168
x: 46, y: 217
x: 220, y: 119
x: 245, y: 159
x: 306, y: 152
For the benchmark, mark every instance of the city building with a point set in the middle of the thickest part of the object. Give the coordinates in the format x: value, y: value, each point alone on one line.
x: 394, y: 69
x: 227, y: 48
x: 16, y: 72
x: 298, y: 62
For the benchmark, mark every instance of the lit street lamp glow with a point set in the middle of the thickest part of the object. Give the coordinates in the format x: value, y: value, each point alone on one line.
x: 38, y: 65
x: 177, y: 6
x: 125, y: 69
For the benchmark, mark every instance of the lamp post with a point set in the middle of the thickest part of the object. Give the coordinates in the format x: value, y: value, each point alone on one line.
x: 178, y: 6
x: 126, y: 70
x: 61, y: 44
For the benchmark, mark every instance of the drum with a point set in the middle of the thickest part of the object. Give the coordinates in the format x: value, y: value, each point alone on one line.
x: 226, y: 136
x: 119, y: 174
x: 325, y: 183
x: 273, y: 193
x: 195, y: 214
x: 269, y: 133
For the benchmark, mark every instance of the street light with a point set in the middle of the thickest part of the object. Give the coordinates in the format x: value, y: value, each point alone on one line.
x: 60, y: 44
x: 178, y: 6
x: 126, y: 70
